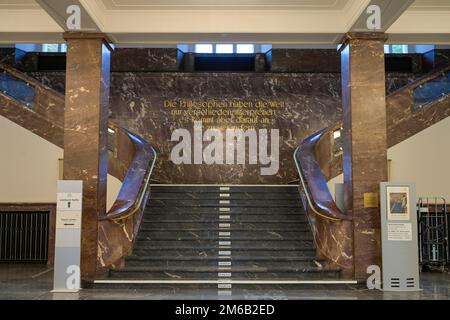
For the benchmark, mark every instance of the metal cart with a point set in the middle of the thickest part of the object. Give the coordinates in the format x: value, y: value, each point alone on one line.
x: 433, y: 229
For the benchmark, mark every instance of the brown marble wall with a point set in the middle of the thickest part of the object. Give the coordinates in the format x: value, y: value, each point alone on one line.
x: 365, y: 142
x: 435, y: 58
x: 394, y: 80
x: 310, y: 102
x: 305, y: 60
x: 441, y: 56
x: 328, y: 60
x: 145, y: 59
x: 7, y: 55
x: 137, y: 100
x: 85, y: 133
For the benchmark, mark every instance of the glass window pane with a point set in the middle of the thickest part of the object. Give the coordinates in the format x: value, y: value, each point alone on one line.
x: 224, y: 48
x: 431, y: 91
x: 204, y: 48
x: 17, y: 89
x: 245, y: 48
x: 50, y: 47
x: 398, y: 48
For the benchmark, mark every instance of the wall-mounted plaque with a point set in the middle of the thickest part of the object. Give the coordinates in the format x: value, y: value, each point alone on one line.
x: 371, y: 200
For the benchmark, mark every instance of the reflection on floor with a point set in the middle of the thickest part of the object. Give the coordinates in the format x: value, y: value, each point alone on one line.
x: 35, y: 282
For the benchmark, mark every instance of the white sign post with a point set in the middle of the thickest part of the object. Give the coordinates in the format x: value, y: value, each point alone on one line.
x: 68, y: 236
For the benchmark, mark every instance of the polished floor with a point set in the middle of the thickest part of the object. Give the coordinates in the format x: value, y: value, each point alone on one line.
x: 34, y: 282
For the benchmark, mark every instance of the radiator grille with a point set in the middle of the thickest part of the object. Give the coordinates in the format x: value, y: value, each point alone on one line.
x: 24, y: 236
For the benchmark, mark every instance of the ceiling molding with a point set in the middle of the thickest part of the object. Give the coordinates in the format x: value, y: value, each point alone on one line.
x: 31, y: 37
x: 96, y: 11
x: 306, y: 26
x: 420, y: 38
x: 222, y: 22
x: 257, y: 38
x: 148, y: 5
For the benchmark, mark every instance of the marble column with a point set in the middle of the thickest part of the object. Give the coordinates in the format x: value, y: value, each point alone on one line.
x: 86, y: 131
x: 364, y: 139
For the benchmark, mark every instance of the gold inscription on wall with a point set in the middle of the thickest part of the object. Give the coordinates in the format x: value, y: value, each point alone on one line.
x: 371, y: 200
x: 221, y: 114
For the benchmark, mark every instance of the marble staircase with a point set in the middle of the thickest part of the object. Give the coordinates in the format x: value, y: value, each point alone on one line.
x: 219, y: 234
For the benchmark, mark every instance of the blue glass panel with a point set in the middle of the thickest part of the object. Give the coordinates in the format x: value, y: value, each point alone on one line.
x: 431, y: 91
x: 17, y: 89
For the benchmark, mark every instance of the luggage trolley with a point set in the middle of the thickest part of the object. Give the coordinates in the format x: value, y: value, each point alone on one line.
x: 433, y: 229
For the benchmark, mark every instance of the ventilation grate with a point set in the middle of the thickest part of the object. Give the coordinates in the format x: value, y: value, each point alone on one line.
x: 24, y: 236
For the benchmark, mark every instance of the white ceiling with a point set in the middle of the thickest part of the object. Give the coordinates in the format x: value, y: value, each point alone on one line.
x: 224, y: 4
x: 143, y: 22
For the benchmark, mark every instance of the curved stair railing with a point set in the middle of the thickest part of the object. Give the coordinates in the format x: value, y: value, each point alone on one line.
x: 332, y: 229
x: 318, y: 158
x: 40, y: 109
x: 119, y: 227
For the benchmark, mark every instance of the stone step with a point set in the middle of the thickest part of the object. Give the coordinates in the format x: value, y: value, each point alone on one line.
x: 235, y: 217
x: 221, y: 233
x: 223, y: 196
x: 251, y: 288
x: 238, y: 243
x: 232, y: 203
x: 238, y: 226
x: 236, y: 252
x: 267, y: 262
x: 261, y: 210
x: 215, y: 234
x: 223, y: 189
x: 204, y: 273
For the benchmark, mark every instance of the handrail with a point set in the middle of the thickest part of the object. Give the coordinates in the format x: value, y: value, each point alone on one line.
x: 122, y: 210
x: 30, y: 80
x: 424, y: 79
x: 315, y: 188
x: 321, y: 204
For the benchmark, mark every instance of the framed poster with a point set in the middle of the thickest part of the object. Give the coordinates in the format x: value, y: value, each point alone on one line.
x: 398, y: 205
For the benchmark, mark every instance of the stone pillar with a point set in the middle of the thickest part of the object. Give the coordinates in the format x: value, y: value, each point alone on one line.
x: 364, y: 139
x: 86, y: 132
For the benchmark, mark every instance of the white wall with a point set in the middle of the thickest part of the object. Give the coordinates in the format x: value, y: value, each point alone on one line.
x: 29, y: 167
x: 332, y: 182
x: 423, y: 159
